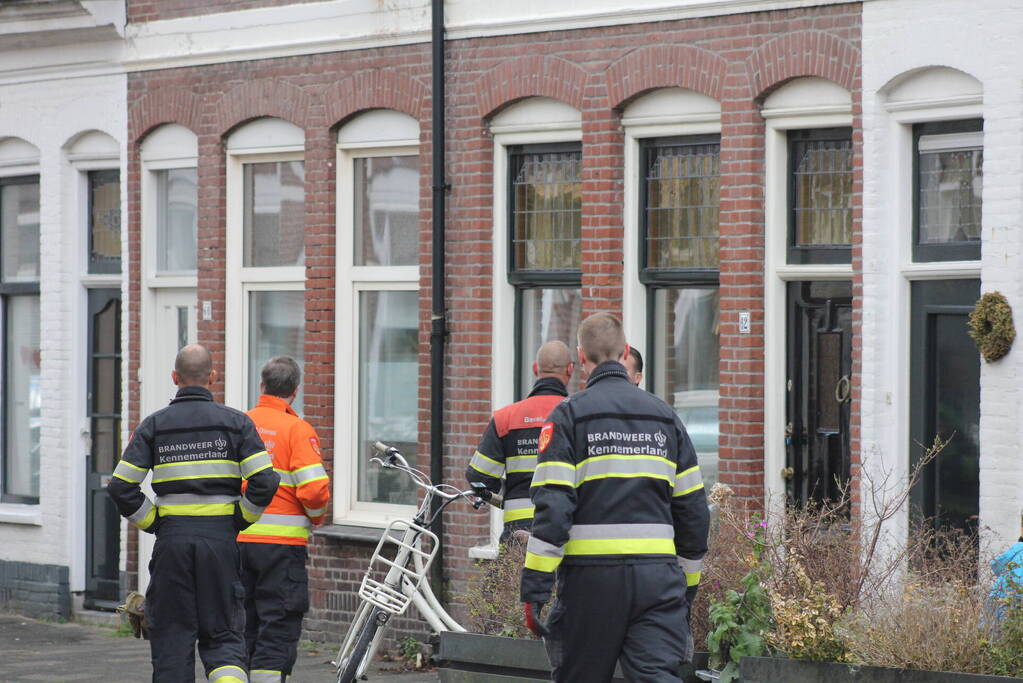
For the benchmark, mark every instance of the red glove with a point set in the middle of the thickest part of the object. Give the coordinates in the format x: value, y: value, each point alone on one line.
x: 531, y: 614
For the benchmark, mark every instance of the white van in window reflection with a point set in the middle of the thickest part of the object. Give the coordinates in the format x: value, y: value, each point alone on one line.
x: 698, y: 410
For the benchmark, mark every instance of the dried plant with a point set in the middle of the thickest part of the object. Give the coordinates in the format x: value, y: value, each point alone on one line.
x: 492, y: 596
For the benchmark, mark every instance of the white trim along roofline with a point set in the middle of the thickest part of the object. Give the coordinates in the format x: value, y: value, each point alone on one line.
x: 339, y: 25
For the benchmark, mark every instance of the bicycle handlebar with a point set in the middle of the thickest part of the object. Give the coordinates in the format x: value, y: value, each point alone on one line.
x: 395, y: 460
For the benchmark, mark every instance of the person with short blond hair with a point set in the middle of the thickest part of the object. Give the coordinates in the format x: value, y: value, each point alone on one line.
x: 621, y: 516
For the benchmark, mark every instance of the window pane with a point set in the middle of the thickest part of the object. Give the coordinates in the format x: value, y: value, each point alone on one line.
x: 23, y: 400
x: 19, y: 230
x: 547, y: 314
x: 105, y: 378
x: 104, y: 221
x: 822, y: 179
x: 950, y: 195
x: 274, y: 229
x: 388, y: 391
x: 546, y: 207
x: 686, y: 344
x: 387, y: 211
x: 682, y: 206
x: 276, y: 328
x: 177, y: 223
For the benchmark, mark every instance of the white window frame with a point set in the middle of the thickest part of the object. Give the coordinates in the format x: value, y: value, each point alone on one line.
x: 90, y: 153
x: 22, y: 513
x: 351, y: 281
x: 800, y: 105
x: 651, y: 124
x: 898, y: 211
x: 242, y: 280
x: 526, y: 123
x: 155, y: 159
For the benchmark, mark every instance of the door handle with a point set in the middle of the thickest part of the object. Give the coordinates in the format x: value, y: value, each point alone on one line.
x: 843, y: 388
x: 787, y: 472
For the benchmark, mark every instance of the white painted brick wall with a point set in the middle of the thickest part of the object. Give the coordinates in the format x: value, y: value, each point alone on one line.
x: 981, y: 39
x: 48, y: 114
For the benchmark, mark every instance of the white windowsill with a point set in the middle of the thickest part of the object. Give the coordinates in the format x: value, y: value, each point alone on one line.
x: 16, y: 513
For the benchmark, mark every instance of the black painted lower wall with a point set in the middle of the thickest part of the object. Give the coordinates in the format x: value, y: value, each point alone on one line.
x: 42, y: 591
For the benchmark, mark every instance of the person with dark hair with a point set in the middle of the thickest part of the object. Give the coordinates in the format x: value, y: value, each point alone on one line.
x: 634, y: 366
x: 507, y: 452
x: 200, y: 453
x: 273, y: 549
x: 622, y: 517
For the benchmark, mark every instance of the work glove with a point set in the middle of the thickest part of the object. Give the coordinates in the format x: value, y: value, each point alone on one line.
x: 531, y: 617
x: 135, y: 608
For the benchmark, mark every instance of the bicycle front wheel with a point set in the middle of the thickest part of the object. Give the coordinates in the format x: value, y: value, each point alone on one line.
x: 353, y: 662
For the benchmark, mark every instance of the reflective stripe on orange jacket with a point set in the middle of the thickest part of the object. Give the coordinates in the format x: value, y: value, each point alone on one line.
x: 302, y: 497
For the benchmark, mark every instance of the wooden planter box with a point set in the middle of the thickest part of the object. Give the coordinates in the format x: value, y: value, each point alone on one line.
x: 476, y: 658
x: 776, y: 669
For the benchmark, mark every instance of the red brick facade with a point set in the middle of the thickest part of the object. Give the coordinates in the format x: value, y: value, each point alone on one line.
x: 736, y: 59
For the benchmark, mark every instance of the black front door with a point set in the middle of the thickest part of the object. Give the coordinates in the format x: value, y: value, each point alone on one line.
x: 945, y: 402
x: 103, y: 541
x: 819, y: 387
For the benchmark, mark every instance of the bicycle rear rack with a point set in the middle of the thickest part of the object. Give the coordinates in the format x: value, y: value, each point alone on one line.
x: 391, y: 598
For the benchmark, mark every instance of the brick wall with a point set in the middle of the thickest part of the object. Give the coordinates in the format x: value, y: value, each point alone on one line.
x: 736, y: 59
x: 154, y: 10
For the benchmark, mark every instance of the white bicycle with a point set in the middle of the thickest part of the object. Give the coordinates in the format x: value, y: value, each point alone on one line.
x: 396, y: 576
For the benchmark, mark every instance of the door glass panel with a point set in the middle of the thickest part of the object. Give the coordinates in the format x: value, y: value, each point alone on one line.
x: 22, y: 400
x: 182, y: 326
x: 105, y: 379
x: 274, y: 214
x: 276, y: 328
x: 829, y: 362
x: 546, y: 315
x: 19, y: 231
x: 685, y: 365
x: 388, y: 399
x: 387, y: 211
x: 104, y: 221
x: 546, y: 210
x: 177, y: 223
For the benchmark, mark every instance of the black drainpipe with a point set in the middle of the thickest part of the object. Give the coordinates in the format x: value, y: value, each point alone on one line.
x: 438, y: 331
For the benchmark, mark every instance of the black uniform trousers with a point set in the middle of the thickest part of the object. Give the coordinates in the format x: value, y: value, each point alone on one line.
x: 633, y: 612
x: 276, y: 598
x: 195, y: 594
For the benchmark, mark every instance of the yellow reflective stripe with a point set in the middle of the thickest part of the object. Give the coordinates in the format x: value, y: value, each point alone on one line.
x: 554, y: 472
x: 308, y: 474
x: 688, y: 490
x: 197, y: 510
x: 688, y: 481
x: 486, y: 465
x: 625, y: 475
x: 197, y: 476
x: 228, y: 674
x: 286, y: 478
x: 515, y: 515
x: 257, y: 462
x: 250, y: 511
x: 620, y: 546
x: 314, y: 512
x: 132, y: 474
x: 264, y: 676
x: 521, y: 463
x: 276, y: 530
x: 693, y: 579
x: 542, y: 564
x: 147, y: 518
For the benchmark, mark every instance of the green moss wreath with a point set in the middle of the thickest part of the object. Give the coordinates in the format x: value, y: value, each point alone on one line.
x: 991, y: 326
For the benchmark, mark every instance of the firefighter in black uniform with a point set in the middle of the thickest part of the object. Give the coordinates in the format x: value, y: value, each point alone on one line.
x: 508, y: 449
x: 199, y: 452
x: 622, y: 516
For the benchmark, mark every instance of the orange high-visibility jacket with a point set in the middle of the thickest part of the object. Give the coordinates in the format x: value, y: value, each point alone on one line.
x: 302, y: 497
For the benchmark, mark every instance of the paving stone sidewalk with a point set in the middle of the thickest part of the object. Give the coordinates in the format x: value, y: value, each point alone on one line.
x: 33, y: 651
